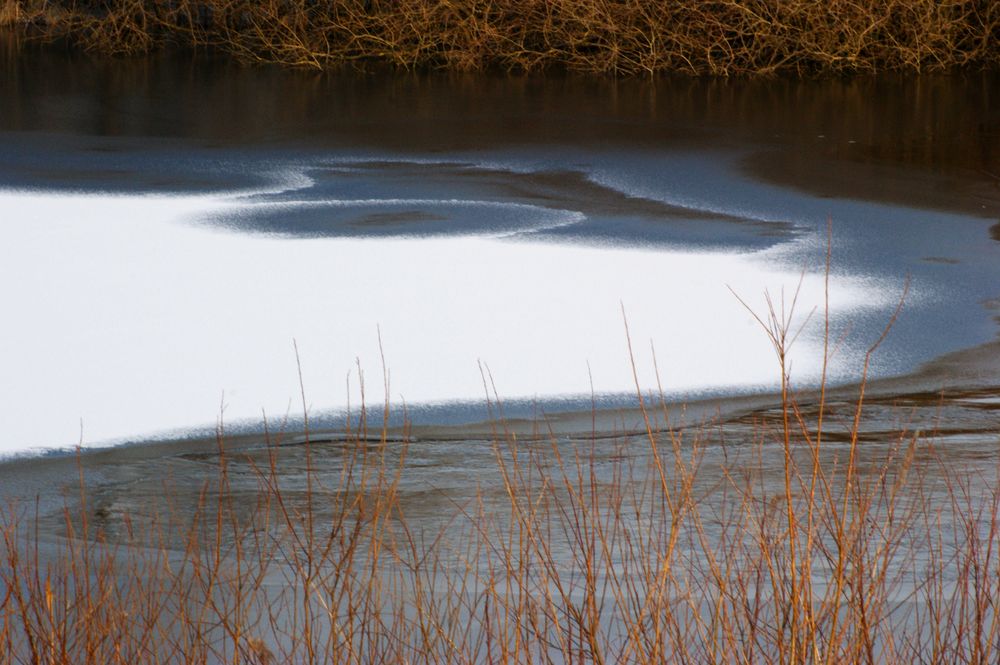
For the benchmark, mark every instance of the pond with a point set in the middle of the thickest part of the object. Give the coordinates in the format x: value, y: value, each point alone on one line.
x: 188, y: 240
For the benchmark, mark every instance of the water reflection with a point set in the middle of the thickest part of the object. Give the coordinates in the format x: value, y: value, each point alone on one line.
x: 939, y: 123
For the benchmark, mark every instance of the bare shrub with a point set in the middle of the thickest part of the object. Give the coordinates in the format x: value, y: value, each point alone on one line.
x: 724, y: 37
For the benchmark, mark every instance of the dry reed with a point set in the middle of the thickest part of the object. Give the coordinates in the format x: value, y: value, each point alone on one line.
x: 787, y: 544
x: 724, y: 37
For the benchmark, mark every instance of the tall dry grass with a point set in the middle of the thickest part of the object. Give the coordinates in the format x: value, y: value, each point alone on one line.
x: 791, y: 542
x: 723, y: 37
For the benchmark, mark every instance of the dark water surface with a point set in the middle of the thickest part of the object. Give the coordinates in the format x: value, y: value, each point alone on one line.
x: 551, y: 170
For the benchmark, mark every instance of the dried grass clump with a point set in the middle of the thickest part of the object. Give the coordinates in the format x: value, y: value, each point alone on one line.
x: 725, y: 37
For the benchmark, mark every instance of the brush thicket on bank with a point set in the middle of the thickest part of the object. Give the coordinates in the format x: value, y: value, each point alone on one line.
x: 615, y: 36
x: 792, y: 543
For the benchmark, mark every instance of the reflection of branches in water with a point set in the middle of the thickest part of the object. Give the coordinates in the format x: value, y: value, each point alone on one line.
x: 941, y: 124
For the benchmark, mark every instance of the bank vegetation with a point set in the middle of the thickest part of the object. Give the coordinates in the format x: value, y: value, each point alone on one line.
x: 627, y: 37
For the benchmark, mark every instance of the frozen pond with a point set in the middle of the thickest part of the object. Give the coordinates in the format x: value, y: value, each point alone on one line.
x: 172, y: 234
